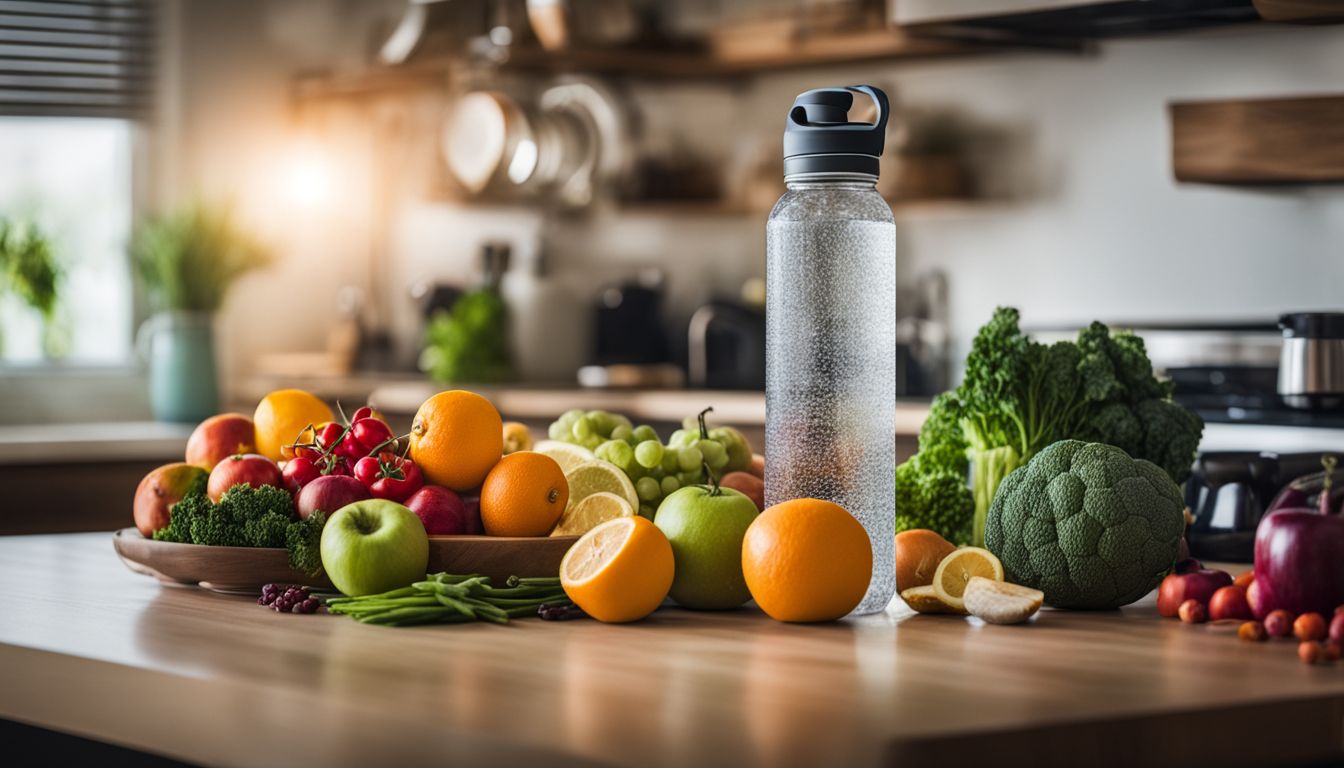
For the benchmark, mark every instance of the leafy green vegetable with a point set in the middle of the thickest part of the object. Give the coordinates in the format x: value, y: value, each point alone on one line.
x: 1087, y: 525
x: 1019, y: 396
x: 938, y: 500
x: 469, y: 343
x: 28, y: 267
x: 188, y: 260
x: 246, y: 517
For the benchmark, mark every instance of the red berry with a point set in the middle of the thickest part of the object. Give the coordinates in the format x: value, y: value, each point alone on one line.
x: 1311, y: 652
x: 1279, y: 623
x: 1193, y: 612
x: 1336, y: 632
x: 1252, y: 632
x: 1309, y: 626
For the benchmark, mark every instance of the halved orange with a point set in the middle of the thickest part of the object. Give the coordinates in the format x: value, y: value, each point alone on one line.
x: 958, y: 568
x: 619, y: 571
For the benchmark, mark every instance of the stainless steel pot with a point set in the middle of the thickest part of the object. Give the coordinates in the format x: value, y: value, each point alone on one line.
x: 1311, y: 362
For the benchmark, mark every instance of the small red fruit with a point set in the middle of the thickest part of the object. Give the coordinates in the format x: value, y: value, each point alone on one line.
x: 1229, y: 603
x: 1311, y: 652
x: 1193, y: 612
x: 1332, y: 651
x: 1279, y: 623
x: 248, y: 468
x: 1309, y: 626
x: 1336, y: 632
x: 1197, y: 585
x: 1252, y: 632
x: 1244, y: 579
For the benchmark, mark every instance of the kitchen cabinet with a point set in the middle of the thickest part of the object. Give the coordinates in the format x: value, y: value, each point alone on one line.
x: 91, y: 649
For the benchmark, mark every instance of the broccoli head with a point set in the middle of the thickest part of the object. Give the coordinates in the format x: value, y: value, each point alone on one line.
x: 243, y: 503
x: 267, y: 530
x: 303, y: 539
x: 938, y: 500
x: 1087, y: 525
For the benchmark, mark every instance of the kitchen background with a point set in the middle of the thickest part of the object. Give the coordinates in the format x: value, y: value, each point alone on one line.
x: 1035, y: 171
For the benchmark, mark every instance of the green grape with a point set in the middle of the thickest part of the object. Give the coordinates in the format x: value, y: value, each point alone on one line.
x: 649, y: 453
x: 603, y: 422
x: 691, y: 423
x: 670, y: 484
x: 634, y: 471
x: 622, y: 432
x: 648, y: 489
x: 646, y: 511
x: 569, y: 417
x: 604, y: 452
x: 670, y: 463
x: 644, y: 432
x: 677, y: 438
x: 622, y: 455
x: 583, y: 428
x: 714, y: 452
x: 591, y: 442
x: 559, y: 431
x: 690, y: 478
x: 689, y: 459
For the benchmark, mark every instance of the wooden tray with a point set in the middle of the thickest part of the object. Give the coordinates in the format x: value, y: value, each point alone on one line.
x: 245, y: 569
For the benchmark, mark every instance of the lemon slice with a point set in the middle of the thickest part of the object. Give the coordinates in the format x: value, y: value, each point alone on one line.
x: 590, y: 512
x: 597, y: 476
x: 958, y: 568
x: 925, y: 600
x: 567, y: 455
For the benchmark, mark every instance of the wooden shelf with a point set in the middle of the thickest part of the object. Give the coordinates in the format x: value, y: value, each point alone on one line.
x: 1263, y: 141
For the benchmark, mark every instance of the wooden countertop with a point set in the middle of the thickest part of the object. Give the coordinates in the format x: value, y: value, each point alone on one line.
x: 90, y: 648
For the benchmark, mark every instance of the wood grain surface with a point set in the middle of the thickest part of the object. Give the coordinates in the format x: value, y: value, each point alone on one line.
x: 1262, y: 141
x: 90, y: 648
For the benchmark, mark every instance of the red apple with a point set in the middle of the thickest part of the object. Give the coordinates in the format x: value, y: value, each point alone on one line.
x: 220, y: 437
x: 1197, y: 585
x: 1229, y: 603
x: 1297, y: 562
x: 329, y: 493
x: 444, y: 513
x: 247, y: 468
x: 160, y: 490
x: 748, y: 485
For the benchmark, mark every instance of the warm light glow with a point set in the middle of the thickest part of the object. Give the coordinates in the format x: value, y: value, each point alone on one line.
x: 308, y: 179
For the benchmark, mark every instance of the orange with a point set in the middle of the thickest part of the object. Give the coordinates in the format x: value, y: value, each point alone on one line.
x: 456, y: 438
x: 918, y: 553
x: 619, y: 571
x: 523, y: 495
x: 282, y: 415
x: 807, y: 560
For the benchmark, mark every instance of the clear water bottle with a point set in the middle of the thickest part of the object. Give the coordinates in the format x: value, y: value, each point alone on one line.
x: 830, y: 377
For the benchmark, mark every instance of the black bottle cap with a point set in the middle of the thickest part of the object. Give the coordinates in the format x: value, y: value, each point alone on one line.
x: 820, y: 139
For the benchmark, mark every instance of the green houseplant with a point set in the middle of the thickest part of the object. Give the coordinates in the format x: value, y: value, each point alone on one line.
x: 30, y: 272
x: 187, y: 260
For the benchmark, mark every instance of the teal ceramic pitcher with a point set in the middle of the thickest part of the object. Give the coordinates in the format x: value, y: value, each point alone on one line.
x: 179, y: 348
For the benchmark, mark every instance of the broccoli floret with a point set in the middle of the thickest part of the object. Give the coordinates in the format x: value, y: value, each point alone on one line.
x: 244, y: 503
x: 267, y: 530
x: 303, y: 539
x: 216, y: 528
x: 1087, y: 525
x: 1115, y: 424
x: 182, y: 515
x: 938, y: 500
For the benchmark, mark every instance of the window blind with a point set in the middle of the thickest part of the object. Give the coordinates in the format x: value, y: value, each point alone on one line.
x: 72, y: 58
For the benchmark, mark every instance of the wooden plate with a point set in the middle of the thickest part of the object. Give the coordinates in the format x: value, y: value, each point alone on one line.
x: 245, y: 569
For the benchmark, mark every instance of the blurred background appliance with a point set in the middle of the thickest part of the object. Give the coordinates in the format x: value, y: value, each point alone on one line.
x: 922, y: 355
x: 1311, y: 365
x: 725, y: 346
x: 1229, y: 493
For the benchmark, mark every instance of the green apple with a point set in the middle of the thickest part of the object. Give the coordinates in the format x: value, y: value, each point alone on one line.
x: 706, y: 527
x: 374, y: 546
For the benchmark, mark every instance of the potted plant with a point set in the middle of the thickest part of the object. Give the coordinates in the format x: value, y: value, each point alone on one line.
x: 187, y: 260
x: 30, y: 272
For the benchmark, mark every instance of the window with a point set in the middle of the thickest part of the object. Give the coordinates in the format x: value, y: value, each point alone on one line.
x: 72, y: 178
x: 74, y: 78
